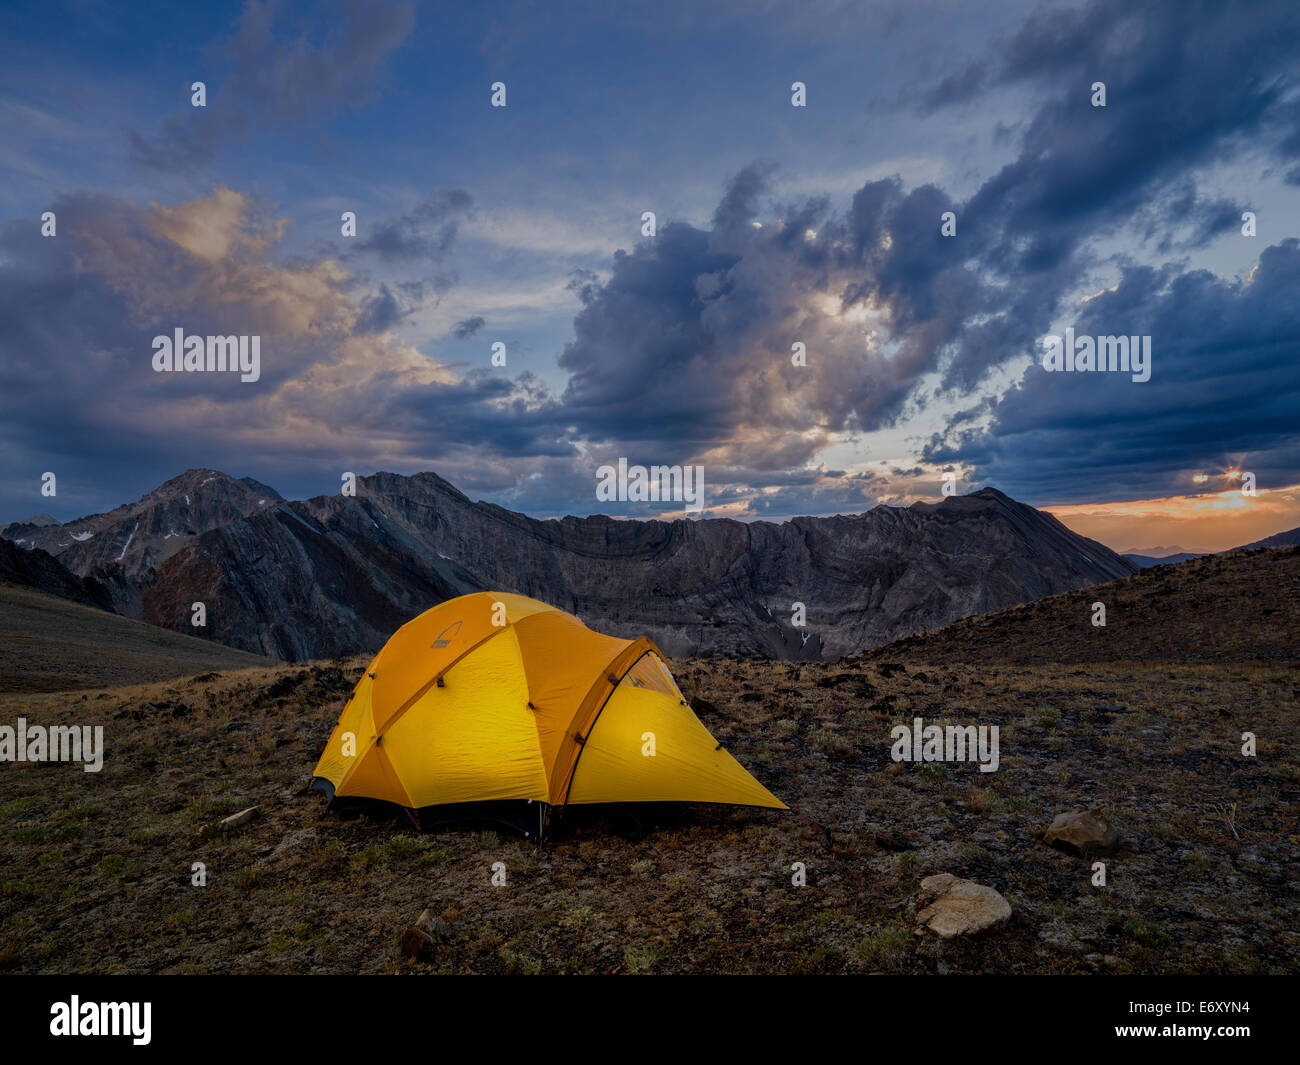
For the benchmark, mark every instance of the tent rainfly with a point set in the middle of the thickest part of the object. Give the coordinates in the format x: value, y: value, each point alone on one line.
x: 495, y: 707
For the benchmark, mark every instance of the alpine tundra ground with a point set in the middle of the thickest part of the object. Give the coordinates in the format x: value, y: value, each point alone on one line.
x: 97, y: 868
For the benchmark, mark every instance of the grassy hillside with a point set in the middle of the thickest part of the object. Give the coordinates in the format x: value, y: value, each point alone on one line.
x: 53, y: 644
x: 1218, y: 608
x: 95, y: 868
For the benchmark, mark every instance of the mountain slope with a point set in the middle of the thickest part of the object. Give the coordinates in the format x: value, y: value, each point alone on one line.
x: 34, y: 568
x: 1290, y: 538
x: 49, y: 644
x: 336, y: 575
x: 1238, y: 607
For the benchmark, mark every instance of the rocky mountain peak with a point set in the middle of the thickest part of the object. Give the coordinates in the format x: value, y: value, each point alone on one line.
x: 127, y: 542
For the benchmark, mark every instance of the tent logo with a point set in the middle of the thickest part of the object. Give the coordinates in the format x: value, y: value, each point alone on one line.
x: 447, y: 635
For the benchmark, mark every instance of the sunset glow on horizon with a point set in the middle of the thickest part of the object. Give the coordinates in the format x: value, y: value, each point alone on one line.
x: 1213, y: 521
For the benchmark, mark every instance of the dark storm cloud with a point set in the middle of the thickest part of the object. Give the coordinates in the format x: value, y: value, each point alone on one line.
x: 468, y: 327
x: 270, y: 73
x: 1187, y: 85
x: 687, y: 348
x: 740, y: 204
x: 944, y: 299
x: 418, y: 240
x: 380, y: 311
x: 641, y: 329
x: 425, y: 234
x: 690, y: 338
x: 1224, y: 391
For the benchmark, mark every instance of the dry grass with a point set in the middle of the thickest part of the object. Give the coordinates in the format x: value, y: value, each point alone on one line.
x: 51, y: 644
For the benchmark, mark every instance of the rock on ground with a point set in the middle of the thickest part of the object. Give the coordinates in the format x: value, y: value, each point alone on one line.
x: 422, y: 940
x: 238, y: 820
x: 1083, y: 833
x: 960, y: 907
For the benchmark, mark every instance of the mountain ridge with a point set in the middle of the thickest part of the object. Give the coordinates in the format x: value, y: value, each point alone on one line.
x: 1288, y: 538
x: 335, y: 574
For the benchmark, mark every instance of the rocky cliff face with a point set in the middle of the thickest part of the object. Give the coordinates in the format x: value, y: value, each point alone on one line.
x: 34, y: 568
x: 336, y: 575
x: 122, y: 548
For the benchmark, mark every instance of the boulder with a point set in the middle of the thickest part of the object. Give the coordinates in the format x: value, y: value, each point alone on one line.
x: 960, y: 907
x: 1083, y: 833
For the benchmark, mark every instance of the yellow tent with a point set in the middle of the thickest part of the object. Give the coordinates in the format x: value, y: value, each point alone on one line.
x: 500, y: 707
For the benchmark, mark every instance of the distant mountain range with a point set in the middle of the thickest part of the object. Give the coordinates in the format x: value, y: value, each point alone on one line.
x: 338, y: 574
x: 1147, y: 561
x: 1163, y: 556
x: 1158, y: 552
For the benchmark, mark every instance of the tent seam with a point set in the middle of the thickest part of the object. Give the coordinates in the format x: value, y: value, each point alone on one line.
x: 604, y: 702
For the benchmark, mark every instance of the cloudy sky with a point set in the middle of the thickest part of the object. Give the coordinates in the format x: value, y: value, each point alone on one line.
x: 776, y: 225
